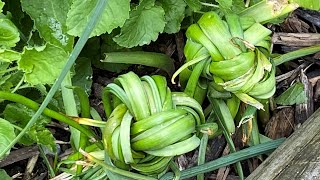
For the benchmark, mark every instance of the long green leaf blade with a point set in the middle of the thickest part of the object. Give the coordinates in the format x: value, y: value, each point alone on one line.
x: 229, y: 159
x: 157, y: 60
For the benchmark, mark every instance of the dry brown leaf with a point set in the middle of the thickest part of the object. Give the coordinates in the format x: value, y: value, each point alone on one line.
x: 280, y: 124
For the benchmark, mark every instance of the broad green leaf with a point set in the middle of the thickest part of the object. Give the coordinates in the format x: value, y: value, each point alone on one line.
x: 238, y: 6
x: 144, y: 25
x: 35, y: 39
x: 293, y: 95
x: 174, y: 14
x: 9, y: 55
x: 42, y: 65
x: 226, y: 4
x: 9, y: 81
x: 195, y: 5
x: 9, y: 33
x: 50, y: 20
x: 309, y: 4
x: 3, y: 66
x: 6, y: 134
x: 231, y: 6
x: 41, y: 135
x: 22, y: 21
x: 83, y: 76
x: 3, y: 85
x: 114, y: 15
x: 20, y: 115
x: 4, y: 175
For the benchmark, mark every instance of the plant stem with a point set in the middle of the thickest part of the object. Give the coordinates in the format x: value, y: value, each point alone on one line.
x: 209, y: 5
x: 18, y: 85
x: 48, y: 112
x: 9, y: 70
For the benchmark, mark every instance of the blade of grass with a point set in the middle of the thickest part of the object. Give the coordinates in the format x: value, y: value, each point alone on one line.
x: 85, y: 113
x: 175, y: 169
x: 296, y: 54
x: 233, y: 150
x: 202, y: 153
x: 229, y: 159
x: 46, y: 162
x: 221, y: 110
x: 73, y: 56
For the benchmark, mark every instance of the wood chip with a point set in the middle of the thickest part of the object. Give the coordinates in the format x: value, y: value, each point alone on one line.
x: 311, y: 16
x: 20, y: 154
x: 296, y: 39
x: 316, y: 95
x: 280, y: 124
x: 179, y: 38
x: 304, y: 110
x: 294, y: 24
x: 224, y: 171
x: 30, y: 166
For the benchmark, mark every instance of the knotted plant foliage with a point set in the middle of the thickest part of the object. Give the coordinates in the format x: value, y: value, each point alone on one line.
x: 148, y: 124
x: 232, y: 53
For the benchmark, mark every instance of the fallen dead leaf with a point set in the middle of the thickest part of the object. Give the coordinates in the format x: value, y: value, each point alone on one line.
x: 280, y: 124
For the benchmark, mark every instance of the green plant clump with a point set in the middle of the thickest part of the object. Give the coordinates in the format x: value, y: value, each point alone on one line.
x: 148, y: 124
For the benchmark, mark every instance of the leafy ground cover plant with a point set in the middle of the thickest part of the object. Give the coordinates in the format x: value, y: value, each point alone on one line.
x: 37, y: 52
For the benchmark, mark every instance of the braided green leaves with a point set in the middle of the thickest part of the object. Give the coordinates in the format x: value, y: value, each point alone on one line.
x: 238, y: 56
x: 148, y: 124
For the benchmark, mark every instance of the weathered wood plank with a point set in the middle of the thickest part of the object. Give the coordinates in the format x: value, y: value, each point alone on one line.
x: 306, y: 165
x: 296, y: 39
x: 297, y: 158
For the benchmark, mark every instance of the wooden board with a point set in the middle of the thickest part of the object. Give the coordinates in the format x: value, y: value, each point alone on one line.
x: 297, y: 158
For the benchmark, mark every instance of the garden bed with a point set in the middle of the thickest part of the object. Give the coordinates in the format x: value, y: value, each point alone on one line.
x: 229, y: 130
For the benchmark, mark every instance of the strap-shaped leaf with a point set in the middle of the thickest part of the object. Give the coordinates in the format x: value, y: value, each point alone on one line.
x: 177, y: 148
x: 134, y: 90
